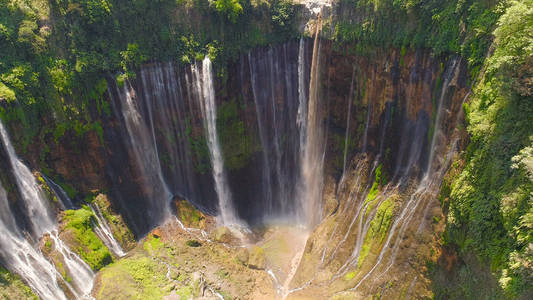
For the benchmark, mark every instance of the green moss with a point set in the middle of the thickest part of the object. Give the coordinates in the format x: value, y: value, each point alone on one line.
x: 48, y: 246
x: 189, y: 215
x: 12, y: 287
x: 379, y: 180
x: 349, y: 276
x: 49, y: 193
x: 87, y: 244
x: 378, y: 229
x: 153, y: 245
x: 234, y: 138
x: 134, y: 277
x: 185, y: 292
x: 120, y: 230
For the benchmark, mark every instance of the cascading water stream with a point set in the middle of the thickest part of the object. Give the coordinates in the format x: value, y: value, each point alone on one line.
x: 312, y: 164
x: 104, y: 232
x: 427, y: 188
x: 206, y: 97
x: 347, y: 135
x: 144, y: 150
x: 81, y: 274
x: 263, y: 137
x: 301, y: 119
x: 43, y: 221
x: 65, y: 201
x: 38, y: 211
x: 22, y: 258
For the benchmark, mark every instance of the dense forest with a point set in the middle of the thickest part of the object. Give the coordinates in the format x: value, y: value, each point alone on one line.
x: 58, y: 57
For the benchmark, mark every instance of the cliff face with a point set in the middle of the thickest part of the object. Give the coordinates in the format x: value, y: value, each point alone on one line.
x: 387, y: 220
x: 379, y: 105
x: 390, y: 125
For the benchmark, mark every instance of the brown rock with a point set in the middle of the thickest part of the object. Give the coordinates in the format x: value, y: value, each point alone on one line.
x: 156, y: 233
x: 242, y: 256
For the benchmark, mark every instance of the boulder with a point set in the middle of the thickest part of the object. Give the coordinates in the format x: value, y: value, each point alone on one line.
x: 222, y: 235
x: 257, y: 258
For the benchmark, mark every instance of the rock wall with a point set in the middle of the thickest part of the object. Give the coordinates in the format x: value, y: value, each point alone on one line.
x: 393, y: 99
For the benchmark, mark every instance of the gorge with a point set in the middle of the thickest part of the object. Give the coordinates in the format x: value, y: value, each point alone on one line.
x: 266, y: 150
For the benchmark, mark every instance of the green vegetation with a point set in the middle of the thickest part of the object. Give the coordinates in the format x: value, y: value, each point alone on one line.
x: 489, y: 202
x: 350, y: 275
x: 57, y: 56
x: 136, y: 277
x: 379, y: 180
x: 86, y: 243
x: 456, y: 26
x: 378, y: 229
x: 189, y: 215
x: 12, y: 287
x: 153, y: 244
x: 234, y: 138
x: 120, y: 230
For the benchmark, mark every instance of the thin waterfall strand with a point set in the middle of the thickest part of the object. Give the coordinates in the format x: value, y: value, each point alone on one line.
x: 206, y: 92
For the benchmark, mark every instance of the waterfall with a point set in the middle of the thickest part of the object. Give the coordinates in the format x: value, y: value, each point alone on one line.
x: 447, y: 78
x: 313, y: 154
x: 262, y: 126
x: 273, y: 73
x: 22, y: 258
x: 302, y: 96
x: 38, y: 210
x: 426, y: 190
x: 348, y: 116
x: 41, y: 221
x: 206, y: 97
x: 104, y: 232
x: 101, y: 227
x: 64, y: 199
x: 81, y: 274
x: 144, y: 149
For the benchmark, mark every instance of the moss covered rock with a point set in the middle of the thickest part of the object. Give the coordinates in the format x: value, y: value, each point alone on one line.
x: 77, y: 232
x: 257, y: 259
x: 118, y: 226
x: 189, y: 215
x: 13, y: 288
x: 222, y: 234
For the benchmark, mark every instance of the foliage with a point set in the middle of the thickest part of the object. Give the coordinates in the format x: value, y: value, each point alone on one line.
x: 136, y: 277
x: 234, y: 138
x: 490, y: 204
x: 456, y: 26
x: 378, y: 229
x: 230, y: 8
x: 87, y: 244
x: 12, y: 287
x: 56, y: 56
